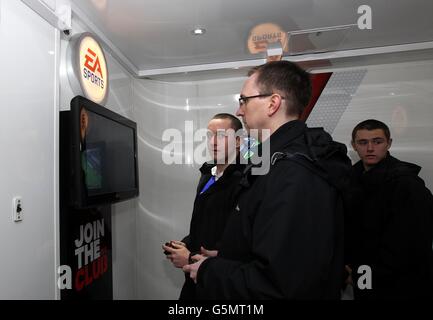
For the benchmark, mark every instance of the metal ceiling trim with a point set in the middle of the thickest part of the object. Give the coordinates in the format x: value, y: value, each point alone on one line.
x: 296, y: 58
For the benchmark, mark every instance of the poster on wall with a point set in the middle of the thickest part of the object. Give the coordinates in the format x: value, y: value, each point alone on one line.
x: 86, y: 251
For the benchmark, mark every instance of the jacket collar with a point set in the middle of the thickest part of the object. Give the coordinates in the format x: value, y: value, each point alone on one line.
x: 206, y: 168
x: 285, y: 135
x: 376, y: 175
x: 278, y: 141
x: 388, y: 169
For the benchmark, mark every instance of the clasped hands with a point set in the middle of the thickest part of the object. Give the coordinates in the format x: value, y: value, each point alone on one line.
x: 179, y: 255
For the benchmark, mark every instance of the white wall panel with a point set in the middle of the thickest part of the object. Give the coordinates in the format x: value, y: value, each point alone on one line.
x: 27, y: 140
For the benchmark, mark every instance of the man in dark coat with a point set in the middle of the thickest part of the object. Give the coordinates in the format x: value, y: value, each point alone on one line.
x: 214, y: 200
x: 285, y: 239
x: 389, y: 224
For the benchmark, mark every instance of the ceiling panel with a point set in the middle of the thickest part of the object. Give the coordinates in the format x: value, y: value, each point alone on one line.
x: 156, y: 34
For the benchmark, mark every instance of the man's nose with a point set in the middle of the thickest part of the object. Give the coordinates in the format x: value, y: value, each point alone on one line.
x: 370, y: 146
x: 214, y: 140
x: 239, y: 112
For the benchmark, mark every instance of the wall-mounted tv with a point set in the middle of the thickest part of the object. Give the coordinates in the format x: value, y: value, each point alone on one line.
x: 102, y: 154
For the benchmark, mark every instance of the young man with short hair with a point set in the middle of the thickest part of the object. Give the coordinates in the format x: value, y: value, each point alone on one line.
x: 389, y: 225
x: 214, y: 200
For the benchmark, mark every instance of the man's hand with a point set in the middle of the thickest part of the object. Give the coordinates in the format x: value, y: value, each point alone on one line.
x: 208, y: 253
x: 349, y: 279
x: 192, y: 269
x: 178, y: 254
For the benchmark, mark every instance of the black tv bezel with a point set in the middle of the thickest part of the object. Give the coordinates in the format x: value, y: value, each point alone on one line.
x: 79, y: 197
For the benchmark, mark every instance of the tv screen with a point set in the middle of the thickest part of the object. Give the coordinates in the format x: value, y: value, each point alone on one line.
x: 103, y: 155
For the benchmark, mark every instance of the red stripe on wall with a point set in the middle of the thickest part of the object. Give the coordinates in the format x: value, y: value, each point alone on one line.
x: 318, y: 83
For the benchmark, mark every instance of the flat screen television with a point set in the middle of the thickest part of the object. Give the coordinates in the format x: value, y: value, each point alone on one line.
x: 102, y: 152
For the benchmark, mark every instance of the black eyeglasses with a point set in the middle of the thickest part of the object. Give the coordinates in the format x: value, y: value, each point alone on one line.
x: 243, y: 100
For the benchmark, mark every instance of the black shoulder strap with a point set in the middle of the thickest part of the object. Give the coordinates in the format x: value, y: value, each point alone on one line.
x: 301, y: 159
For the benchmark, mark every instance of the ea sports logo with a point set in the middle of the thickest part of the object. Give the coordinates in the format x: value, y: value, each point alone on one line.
x: 92, y: 58
x: 92, y: 70
x: 88, y: 73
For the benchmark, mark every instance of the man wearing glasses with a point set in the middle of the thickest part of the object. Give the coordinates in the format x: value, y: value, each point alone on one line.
x: 285, y: 239
x: 388, y: 221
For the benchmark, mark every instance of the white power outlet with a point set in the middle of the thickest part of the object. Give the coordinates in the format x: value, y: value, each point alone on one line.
x: 17, y: 209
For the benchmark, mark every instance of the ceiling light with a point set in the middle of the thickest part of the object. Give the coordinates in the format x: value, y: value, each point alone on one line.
x: 198, y: 31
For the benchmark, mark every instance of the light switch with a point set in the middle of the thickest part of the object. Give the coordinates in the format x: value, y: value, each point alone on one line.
x: 17, y: 209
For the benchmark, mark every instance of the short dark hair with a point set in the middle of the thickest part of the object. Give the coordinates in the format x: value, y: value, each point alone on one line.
x: 236, y: 123
x: 287, y: 78
x: 371, y: 124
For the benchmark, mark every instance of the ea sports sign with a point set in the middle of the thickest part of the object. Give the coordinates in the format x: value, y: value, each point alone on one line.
x: 87, y: 68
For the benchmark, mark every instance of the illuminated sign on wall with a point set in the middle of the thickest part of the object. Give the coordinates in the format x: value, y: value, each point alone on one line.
x: 87, y: 68
x: 264, y: 34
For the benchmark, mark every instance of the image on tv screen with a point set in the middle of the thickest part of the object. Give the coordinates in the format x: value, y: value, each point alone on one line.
x: 92, y: 166
x: 108, y: 154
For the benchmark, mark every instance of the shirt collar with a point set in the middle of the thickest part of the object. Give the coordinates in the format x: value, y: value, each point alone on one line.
x: 213, y: 172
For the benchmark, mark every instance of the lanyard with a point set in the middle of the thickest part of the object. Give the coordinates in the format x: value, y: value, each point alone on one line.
x: 208, y: 185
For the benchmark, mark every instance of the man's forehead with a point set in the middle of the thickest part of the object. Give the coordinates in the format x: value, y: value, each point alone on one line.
x: 250, y: 83
x: 370, y: 134
x: 219, y: 124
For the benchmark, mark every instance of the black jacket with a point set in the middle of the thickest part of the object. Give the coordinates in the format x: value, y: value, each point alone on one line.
x: 389, y: 228
x: 210, y: 214
x: 285, y: 239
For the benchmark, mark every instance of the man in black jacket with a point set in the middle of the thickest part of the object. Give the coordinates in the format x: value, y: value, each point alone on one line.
x: 389, y: 225
x: 285, y: 239
x: 214, y: 199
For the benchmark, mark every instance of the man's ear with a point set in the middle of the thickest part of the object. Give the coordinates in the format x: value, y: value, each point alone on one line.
x: 274, y: 104
x: 238, y: 142
x: 389, y: 143
x: 353, y: 145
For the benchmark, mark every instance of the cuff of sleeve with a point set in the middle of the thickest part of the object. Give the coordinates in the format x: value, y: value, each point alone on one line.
x: 202, y: 270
